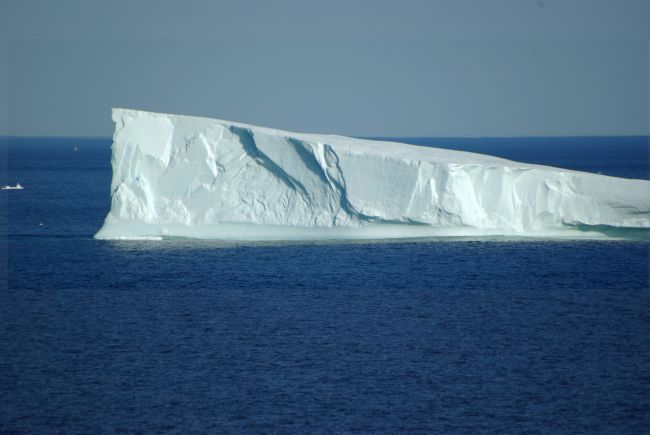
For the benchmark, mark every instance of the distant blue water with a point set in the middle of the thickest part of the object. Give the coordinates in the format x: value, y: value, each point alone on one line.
x: 408, y: 336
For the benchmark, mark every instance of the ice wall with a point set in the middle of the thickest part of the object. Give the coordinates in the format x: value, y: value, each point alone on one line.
x: 205, y: 178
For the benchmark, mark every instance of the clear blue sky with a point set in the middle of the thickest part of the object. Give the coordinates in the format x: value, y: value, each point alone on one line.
x: 363, y: 68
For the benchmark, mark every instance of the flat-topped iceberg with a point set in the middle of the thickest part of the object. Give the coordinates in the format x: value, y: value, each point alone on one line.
x: 183, y: 176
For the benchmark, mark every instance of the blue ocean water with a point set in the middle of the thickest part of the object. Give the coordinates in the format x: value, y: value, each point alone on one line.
x: 404, y: 336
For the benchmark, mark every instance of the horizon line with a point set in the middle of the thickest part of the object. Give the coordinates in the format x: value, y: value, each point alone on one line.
x: 378, y: 137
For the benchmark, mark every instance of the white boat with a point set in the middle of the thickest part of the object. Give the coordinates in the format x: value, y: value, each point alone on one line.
x: 16, y: 187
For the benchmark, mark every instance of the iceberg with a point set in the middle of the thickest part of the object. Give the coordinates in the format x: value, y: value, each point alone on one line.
x: 18, y: 186
x: 185, y: 176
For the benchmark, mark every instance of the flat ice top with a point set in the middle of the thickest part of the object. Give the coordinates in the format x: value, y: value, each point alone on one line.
x: 349, y: 144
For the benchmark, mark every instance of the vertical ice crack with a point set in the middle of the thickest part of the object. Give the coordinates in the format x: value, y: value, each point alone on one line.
x: 340, y: 184
x: 250, y: 147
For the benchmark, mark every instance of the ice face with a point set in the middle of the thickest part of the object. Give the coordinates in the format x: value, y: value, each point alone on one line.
x: 205, y: 178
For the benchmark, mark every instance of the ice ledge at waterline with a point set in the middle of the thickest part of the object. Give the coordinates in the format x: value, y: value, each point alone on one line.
x: 206, y: 178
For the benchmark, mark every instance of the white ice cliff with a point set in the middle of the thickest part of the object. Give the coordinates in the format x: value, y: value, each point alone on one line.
x: 205, y: 178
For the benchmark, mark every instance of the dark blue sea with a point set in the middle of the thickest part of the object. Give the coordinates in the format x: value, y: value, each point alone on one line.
x: 409, y: 336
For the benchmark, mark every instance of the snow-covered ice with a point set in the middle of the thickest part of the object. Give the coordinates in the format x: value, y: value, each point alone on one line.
x: 183, y: 176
